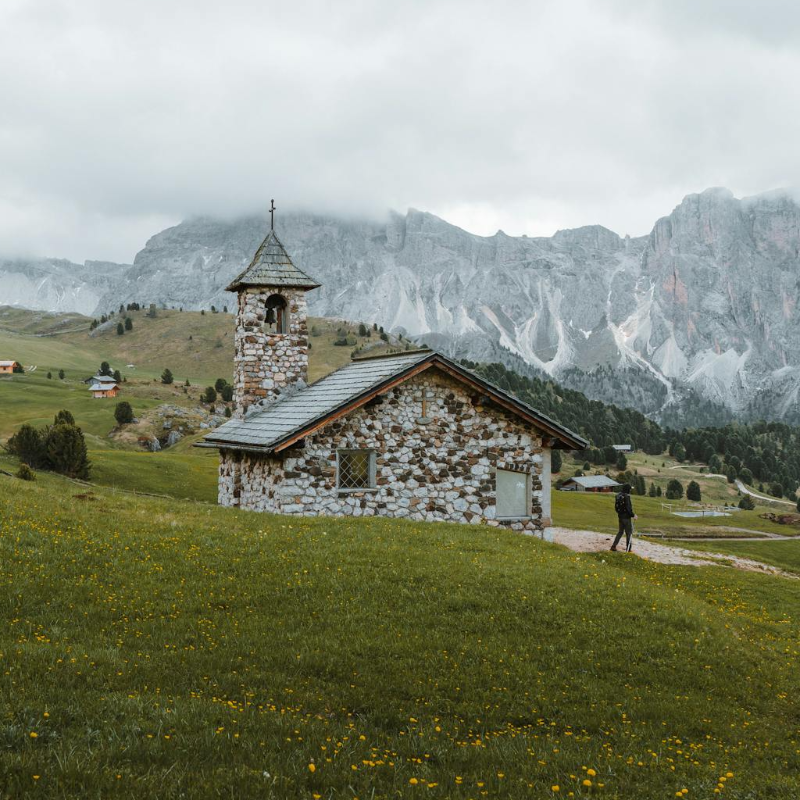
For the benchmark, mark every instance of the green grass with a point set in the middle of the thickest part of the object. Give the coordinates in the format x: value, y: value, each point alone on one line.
x: 164, y: 649
x: 784, y: 554
x: 590, y: 511
x: 193, y: 345
x: 189, y: 475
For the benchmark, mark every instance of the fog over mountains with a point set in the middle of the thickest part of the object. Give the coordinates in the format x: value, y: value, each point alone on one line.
x: 699, y: 319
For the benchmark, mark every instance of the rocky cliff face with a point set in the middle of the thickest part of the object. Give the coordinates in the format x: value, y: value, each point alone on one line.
x: 702, y: 309
x: 51, y: 284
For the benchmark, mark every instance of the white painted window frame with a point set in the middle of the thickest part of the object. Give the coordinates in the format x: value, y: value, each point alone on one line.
x: 528, y: 494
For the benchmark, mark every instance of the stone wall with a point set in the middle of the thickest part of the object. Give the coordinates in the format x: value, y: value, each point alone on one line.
x: 436, y: 467
x: 265, y: 363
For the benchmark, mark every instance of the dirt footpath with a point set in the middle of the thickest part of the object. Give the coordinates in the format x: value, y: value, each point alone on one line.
x: 593, y: 542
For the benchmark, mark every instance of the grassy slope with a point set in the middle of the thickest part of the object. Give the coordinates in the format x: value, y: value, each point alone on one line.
x: 191, y: 344
x: 784, y: 554
x: 587, y: 511
x: 39, y: 338
x: 161, y: 649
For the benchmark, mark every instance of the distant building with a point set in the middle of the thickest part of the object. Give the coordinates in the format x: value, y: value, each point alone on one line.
x: 7, y: 367
x: 590, y: 483
x: 623, y: 448
x: 103, y: 386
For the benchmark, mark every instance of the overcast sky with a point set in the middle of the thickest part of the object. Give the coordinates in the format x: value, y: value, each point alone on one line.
x: 121, y: 117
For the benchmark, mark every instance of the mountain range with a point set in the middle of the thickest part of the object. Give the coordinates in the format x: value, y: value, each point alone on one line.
x: 697, y: 321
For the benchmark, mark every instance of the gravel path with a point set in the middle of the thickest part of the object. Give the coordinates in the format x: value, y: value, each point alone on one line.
x: 742, y: 488
x: 594, y: 542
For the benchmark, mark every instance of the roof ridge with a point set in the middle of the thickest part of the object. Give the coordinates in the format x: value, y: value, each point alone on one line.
x: 415, y: 352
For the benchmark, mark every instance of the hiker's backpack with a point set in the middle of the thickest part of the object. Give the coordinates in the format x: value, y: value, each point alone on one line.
x: 620, y: 506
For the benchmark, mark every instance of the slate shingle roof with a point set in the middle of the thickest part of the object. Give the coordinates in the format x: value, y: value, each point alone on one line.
x: 594, y: 481
x: 305, y: 408
x: 271, y: 266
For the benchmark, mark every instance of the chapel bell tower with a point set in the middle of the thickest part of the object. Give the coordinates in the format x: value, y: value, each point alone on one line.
x: 271, y: 340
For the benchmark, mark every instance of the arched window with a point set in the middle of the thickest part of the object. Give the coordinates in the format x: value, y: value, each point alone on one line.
x: 277, y: 317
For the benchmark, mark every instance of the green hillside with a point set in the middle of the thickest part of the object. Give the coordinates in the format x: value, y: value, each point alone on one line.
x: 193, y: 345
x: 160, y: 649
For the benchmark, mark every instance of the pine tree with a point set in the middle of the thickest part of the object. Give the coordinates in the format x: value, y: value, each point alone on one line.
x: 555, y: 461
x: 61, y: 374
x: 66, y: 451
x: 28, y: 446
x: 693, y: 491
x: 746, y: 503
x: 674, y: 489
x: 166, y: 376
x: 123, y: 413
x: 64, y: 417
x: 128, y: 324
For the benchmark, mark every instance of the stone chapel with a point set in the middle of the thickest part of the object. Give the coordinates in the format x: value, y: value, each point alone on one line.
x: 410, y: 434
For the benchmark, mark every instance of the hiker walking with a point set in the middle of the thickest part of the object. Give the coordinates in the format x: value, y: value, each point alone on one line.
x: 624, y: 509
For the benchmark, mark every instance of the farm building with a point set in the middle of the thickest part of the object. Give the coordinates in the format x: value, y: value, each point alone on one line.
x: 7, y: 367
x: 590, y: 483
x: 410, y: 434
x: 623, y: 448
x: 103, y: 386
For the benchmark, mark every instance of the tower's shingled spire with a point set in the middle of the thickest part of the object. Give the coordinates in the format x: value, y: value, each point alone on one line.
x: 271, y: 266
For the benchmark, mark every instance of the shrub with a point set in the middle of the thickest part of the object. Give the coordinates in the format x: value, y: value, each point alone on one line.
x: 66, y: 451
x: 61, y: 374
x: 622, y: 462
x: 219, y: 384
x: 652, y: 490
x: 693, y: 491
x: 105, y: 368
x: 64, y: 417
x: 746, y: 503
x: 27, y: 445
x: 674, y: 489
x: 120, y: 329
x: 166, y: 376
x: 128, y: 324
x: 25, y: 473
x: 555, y: 461
x: 227, y: 411
x: 49, y: 376
x: 227, y: 393
x: 123, y: 413
x: 362, y: 330
x: 776, y: 490
x: 209, y: 395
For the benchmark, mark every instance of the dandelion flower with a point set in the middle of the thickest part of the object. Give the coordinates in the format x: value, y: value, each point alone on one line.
x: 413, y: 781
x: 555, y: 788
x: 33, y: 734
x: 587, y: 782
x: 312, y: 767
x: 591, y: 773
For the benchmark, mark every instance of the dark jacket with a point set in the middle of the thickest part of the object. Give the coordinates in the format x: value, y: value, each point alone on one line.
x: 628, y: 506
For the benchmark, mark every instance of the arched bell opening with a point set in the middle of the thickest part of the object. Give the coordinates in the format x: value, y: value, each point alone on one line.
x: 276, y: 319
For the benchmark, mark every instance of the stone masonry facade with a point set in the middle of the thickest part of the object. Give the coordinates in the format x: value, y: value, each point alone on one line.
x: 266, y: 363
x: 437, y: 467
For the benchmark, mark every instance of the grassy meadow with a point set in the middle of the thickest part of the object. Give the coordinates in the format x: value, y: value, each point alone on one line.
x: 164, y: 649
x: 195, y: 346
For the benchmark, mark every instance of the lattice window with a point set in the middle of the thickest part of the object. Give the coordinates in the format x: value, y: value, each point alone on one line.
x: 356, y: 469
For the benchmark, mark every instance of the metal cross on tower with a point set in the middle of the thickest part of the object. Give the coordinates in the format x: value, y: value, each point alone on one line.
x: 272, y: 215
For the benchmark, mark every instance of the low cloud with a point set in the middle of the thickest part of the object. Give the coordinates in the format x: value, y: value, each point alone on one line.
x: 121, y: 118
